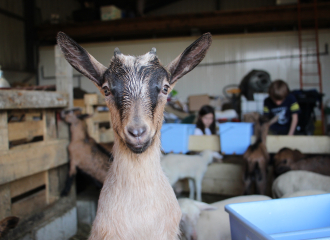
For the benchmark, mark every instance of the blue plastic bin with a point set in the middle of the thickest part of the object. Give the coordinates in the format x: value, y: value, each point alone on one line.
x: 175, y: 137
x: 235, y: 137
x: 285, y: 219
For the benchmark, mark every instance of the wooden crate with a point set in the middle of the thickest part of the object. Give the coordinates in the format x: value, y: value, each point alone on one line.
x: 33, y: 150
x: 92, y: 104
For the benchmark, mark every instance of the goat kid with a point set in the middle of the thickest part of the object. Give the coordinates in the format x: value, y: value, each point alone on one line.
x: 256, y: 159
x: 136, y: 201
x: 287, y: 159
x: 193, y: 167
x: 201, y: 221
x: 6, y: 224
x: 84, y: 153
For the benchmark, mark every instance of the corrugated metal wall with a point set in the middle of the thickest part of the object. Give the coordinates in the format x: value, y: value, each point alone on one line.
x: 212, y: 79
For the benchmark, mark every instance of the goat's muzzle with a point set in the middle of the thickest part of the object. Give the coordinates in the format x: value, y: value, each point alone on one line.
x: 137, y: 138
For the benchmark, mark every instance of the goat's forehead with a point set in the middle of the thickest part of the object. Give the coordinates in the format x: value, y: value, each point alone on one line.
x: 134, y: 61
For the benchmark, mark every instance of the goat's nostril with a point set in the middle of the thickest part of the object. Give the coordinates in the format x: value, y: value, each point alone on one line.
x: 137, y: 132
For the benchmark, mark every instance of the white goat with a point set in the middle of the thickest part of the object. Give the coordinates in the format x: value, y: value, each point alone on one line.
x: 294, y: 181
x: 303, y: 193
x: 198, y: 224
x: 136, y: 201
x: 193, y: 167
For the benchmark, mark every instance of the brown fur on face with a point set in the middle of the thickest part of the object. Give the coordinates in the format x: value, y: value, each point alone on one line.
x: 6, y: 224
x: 136, y: 201
x: 284, y: 158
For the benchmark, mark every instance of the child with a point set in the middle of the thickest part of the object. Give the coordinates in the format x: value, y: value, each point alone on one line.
x: 206, y: 121
x: 280, y: 102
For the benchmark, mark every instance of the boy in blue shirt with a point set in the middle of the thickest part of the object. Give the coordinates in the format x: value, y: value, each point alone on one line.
x: 280, y: 102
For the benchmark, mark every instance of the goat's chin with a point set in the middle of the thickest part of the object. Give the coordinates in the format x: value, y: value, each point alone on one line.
x: 139, y: 148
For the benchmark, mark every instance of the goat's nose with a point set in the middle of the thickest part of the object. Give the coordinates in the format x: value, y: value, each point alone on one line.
x: 136, y: 131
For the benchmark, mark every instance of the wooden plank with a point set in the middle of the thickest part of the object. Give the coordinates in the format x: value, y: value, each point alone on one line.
x: 26, y: 184
x: 200, y: 143
x: 91, y: 99
x: 99, y: 117
x: 281, y: 17
x: 29, y: 205
x: 64, y: 75
x: 306, y: 144
x: 33, y: 158
x: 21, y: 99
x: 49, y: 124
x: 4, y: 142
x: 79, y: 103
x: 5, y: 201
x: 27, y: 129
x: 107, y: 135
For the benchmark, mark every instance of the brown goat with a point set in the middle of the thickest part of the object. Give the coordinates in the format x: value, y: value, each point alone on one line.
x: 287, y: 159
x: 256, y: 158
x: 85, y: 154
x: 6, y: 224
x: 136, y: 201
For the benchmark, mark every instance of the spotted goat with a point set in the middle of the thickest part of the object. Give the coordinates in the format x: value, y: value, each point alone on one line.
x: 136, y: 201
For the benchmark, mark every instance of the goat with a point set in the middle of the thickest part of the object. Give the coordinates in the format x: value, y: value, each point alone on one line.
x: 6, y: 224
x: 198, y: 224
x: 193, y: 167
x: 136, y: 201
x: 256, y: 159
x: 294, y: 181
x: 287, y: 159
x: 303, y: 193
x: 85, y: 154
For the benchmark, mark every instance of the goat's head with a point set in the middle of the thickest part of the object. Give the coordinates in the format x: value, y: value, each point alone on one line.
x: 191, y: 211
x: 135, y: 88
x: 287, y: 156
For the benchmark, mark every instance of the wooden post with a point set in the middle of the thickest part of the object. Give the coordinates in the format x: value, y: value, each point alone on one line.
x: 49, y: 124
x: 4, y: 145
x: 5, y: 201
x: 64, y: 77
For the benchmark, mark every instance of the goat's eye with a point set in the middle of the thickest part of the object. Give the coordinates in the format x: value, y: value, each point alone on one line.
x: 106, y: 91
x: 165, y: 89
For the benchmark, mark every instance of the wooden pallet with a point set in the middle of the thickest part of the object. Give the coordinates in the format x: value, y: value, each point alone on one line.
x: 92, y: 104
x: 33, y: 150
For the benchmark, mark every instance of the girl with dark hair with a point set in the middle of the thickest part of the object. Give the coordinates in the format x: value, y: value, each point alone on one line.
x: 206, y: 121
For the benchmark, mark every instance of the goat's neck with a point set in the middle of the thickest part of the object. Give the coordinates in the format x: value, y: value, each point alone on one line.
x: 144, y: 166
x: 78, y: 132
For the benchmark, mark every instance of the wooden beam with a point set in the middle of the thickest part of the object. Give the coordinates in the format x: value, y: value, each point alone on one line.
x: 64, y: 75
x: 20, y: 99
x: 306, y: 144
x: 4, y: 142
x: 264, y: 19
x: 5, y: 201
x: 29, y: 159
x: 200, y: 143
x: 26, y: 184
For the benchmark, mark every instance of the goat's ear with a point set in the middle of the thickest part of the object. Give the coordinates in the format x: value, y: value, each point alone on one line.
x: 190, y: 58
x: 80, y: 59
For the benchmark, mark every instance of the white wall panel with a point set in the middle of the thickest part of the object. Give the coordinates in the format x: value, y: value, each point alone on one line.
x: 212, y: 79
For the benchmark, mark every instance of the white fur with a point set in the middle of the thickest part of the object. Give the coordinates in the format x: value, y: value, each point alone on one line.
x: 294, y: 181
x: 193, y: 167
x: 198, y: 224
x: 303, y: 193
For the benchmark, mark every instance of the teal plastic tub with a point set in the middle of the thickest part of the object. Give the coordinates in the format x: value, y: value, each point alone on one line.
x: 284, y: 219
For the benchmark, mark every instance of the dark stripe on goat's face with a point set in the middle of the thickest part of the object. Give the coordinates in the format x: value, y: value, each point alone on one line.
x: 136, y: 79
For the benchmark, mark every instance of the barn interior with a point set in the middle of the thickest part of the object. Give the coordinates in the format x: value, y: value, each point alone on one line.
x: 59, y: 129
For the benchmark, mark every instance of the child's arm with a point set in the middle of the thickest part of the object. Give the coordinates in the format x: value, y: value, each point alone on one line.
x: 294, y: 122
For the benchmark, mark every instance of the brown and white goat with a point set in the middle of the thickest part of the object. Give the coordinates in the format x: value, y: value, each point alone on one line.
x: 287, y: 159
x: 84, y: 153
x: 6, y: 224
x: 136, y: 201
x: 256, y: 158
